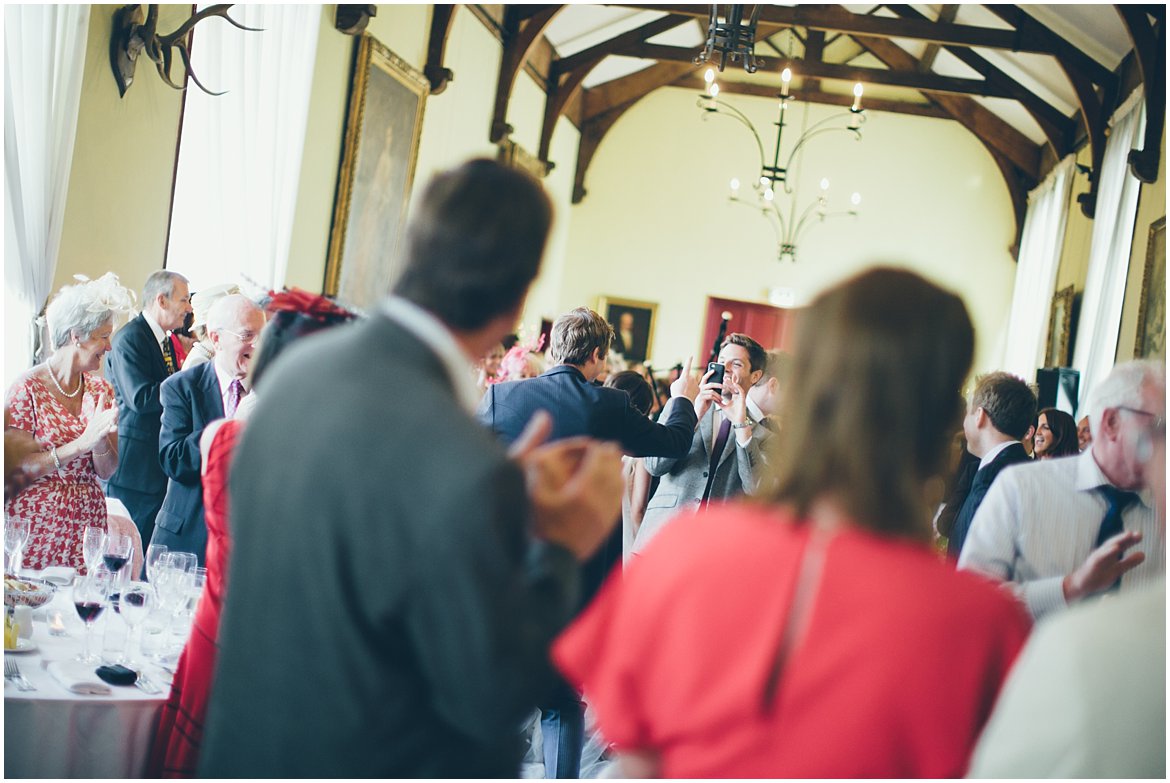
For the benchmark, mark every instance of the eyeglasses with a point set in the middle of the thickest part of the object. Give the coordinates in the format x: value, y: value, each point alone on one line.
x: 247, y: 338
x: 1157, y: 426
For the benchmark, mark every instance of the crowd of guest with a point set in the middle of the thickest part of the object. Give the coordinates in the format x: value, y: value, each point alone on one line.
x: 731, y: 567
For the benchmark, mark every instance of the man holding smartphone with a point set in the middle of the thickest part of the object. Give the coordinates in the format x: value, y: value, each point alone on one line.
x: 725, y: 458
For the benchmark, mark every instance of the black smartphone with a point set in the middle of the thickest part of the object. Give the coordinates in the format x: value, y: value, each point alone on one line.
x: 718, y: 371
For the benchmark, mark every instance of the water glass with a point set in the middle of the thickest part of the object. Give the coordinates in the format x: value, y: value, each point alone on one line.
x: 93, y: 546
x: 154, y: 554
x: 15, y: 535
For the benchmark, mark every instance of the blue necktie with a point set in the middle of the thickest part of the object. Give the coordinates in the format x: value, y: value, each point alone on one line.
x: 1111, y: 526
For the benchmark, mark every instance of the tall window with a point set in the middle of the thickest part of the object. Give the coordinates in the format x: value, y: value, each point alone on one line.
x: 240, y: 153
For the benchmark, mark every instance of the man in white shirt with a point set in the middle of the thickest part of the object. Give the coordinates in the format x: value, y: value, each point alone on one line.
x: 140, y: 359
x: 1087, y: 698
x: 1062, y: 530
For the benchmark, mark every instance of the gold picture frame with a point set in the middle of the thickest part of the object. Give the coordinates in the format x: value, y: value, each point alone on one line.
x: 1059, y: 324
x: 382, y: 132
x: 1151, y: 324
x: 640, y: 333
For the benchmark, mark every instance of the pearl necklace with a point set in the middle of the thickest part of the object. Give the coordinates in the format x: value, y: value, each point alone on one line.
x: 80, y: 383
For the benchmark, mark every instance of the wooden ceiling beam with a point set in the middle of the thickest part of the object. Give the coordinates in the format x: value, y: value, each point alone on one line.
x: 996, y: 133
x: 567, y: 85
x: 912, y: 79
x: 836, y: 19
x: 814, y: 52
x: 521, y: 34
x: 1150, y: 49
x: 442, y: 17
x: 1056, y: 126
x: 946, y: 15
x: 805, y: 95
x: 645, y: 32
x: 1028, y: 28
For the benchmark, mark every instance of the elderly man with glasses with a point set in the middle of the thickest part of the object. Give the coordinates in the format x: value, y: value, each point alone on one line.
x: 1063, y: 530
x: 190, y: 401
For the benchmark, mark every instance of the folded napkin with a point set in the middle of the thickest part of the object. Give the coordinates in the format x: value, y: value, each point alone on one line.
x: 58, y: 575
x: 78, y: 677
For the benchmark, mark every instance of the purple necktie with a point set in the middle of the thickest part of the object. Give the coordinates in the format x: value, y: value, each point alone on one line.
x: 235, y: 392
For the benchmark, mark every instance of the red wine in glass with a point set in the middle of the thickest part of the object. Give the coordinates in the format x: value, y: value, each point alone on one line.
x: 88, y: 611
x: 114, y: 562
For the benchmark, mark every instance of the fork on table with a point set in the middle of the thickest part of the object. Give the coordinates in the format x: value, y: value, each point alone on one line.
x: 12, y: 672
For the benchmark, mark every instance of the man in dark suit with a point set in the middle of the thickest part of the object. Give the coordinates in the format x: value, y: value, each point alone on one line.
x: 579, y: 344
x: 1000, y: 412
x: 389, y: 612
x: 191, y: 400
x: 140, y: 359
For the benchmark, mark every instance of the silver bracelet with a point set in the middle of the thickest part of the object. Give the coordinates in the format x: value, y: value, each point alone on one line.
x: 56, y: 460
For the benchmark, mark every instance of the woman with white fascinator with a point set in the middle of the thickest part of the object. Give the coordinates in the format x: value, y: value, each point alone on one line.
x: 71, y: 412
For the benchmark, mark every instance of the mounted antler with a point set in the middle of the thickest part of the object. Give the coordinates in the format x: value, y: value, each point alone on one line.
x: 132, y: 36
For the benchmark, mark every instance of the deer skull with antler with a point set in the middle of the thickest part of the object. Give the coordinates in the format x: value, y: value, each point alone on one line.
x: 132, y: 36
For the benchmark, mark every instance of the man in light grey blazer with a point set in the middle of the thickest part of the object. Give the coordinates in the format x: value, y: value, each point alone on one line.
x: 729, y: 423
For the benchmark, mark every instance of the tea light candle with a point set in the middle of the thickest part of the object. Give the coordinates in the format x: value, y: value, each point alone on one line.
x: 56, y: 623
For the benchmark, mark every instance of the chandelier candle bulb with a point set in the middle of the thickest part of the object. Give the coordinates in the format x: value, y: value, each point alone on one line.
x: 856, y: 98
x: 785, y: 78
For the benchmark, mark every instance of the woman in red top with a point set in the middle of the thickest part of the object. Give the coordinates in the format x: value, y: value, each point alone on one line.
x: 816, y: 635
x: 292, y: 315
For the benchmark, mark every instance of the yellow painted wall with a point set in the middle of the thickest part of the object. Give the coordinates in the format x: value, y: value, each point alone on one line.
x: 657, y: 225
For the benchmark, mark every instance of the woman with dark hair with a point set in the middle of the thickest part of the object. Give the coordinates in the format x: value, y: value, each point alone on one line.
x: 1056, y: 435
x: 816, y: 634
x: 637, y: 479
x: 293, y: 314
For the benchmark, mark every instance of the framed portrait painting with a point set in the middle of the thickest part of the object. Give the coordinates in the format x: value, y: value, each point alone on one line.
x: 633, y: 326
x: 381, y: 147
x: 1059, y: 324
x: 1151, y: 325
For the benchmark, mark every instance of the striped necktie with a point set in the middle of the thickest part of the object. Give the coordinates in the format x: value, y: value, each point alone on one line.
x: 168, y: 350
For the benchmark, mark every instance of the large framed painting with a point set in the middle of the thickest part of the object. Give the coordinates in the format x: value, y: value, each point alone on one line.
x: 1059, y: 324
x: 1151, y: 325
x: 633, y: 326
x: 381, y: 147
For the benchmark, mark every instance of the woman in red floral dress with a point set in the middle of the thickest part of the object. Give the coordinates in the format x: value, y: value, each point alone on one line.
x: 73, y: 415
x: 292, y: 315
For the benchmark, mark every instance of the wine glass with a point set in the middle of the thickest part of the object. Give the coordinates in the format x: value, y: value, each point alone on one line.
x: 15, y: 535
x: 136, y: 602
x: 93, y: 546
x: 89, y: 599
x: 185, y: 561
x: 154, y: 554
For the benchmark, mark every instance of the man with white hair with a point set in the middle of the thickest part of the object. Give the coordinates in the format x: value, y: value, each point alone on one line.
x: 1060, y: 531
x: 140, y: 359
x: 190, y: 401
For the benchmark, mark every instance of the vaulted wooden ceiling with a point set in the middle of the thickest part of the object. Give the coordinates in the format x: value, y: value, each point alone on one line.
x: 1033, y: 83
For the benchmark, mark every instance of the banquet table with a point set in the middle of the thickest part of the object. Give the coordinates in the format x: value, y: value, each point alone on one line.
x: 52, y: 732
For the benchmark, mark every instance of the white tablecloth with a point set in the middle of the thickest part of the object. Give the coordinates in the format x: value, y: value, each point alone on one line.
x: 53, y: 733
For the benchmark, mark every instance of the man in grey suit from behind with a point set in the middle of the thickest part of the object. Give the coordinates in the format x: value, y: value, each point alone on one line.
x: 396, y: 576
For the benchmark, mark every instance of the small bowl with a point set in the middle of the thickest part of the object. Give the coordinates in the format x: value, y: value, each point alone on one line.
x: 26, y: 591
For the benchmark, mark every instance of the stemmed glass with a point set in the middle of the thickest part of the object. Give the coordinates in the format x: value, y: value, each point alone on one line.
x: 92, y: 547
x: 137, y: 601
x: 89, y: 598
x: 15, y: 535
x: 154, y: 554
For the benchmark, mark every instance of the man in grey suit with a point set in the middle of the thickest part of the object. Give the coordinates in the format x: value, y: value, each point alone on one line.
x: 191, y: 400
x: 390, y: 610
x: 730, y: 426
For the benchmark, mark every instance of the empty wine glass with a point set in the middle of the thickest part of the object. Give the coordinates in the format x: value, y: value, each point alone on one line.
x: 137, y: 601
x: 89, y: 599
x: 185, y: 561
x: 93, y: 546
x: 15, y: 535
x: 154, y: 554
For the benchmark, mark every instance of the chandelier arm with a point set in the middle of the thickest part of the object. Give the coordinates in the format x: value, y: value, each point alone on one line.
x: 728, y: 110
x: 808, y: 136
x: 804, y: 221
x: 775, y: 209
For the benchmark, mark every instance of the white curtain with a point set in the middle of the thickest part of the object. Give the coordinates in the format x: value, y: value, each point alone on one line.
x: 1109, y: 249
x: 240, y: 153
x: 1040, y: 248
x: 44, y: 58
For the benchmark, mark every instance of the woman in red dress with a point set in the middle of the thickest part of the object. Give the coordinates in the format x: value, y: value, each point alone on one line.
x: 817, y: 635
x: 293, y: 314
x: 71, y: 412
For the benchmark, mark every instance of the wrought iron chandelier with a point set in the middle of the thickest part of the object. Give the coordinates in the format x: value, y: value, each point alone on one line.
x: 789, y: 222
x: 729, y: 36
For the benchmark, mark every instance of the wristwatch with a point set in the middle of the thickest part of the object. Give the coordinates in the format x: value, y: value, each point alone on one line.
x: 747, y: 423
